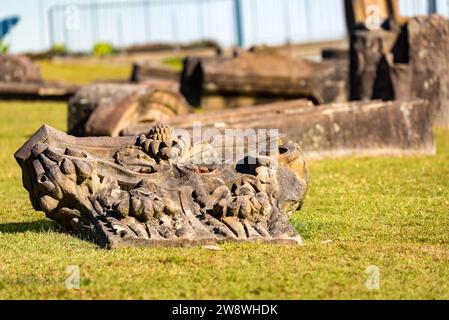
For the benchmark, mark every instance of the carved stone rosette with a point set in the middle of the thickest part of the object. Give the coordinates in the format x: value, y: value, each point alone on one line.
x: 145, y: 191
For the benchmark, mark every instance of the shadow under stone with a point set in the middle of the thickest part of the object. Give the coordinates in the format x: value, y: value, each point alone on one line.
x: 39, y: 226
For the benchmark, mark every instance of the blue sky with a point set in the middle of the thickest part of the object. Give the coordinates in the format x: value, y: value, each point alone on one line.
x: 265, y: 21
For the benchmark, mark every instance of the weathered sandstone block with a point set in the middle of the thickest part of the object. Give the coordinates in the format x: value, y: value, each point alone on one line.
x: 16, y: 68
x: 146, y: 70
x: 20, y: 78
x: 105, y: 109
x: 370, y: 128
x: 37, y: 90
x: 408, y: 63
x: 260, y: 77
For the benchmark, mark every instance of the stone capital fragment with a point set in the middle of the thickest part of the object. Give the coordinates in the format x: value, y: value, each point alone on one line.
x: 149, y: 190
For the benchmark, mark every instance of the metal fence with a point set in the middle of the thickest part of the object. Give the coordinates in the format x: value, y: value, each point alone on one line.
x: 230, y: 22
x: 79, y: 26
x: 125, y: 23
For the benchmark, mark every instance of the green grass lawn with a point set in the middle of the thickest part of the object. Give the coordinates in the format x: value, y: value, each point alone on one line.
x: 389, y: 212
x: 89, y: 70
x: 84, y: 71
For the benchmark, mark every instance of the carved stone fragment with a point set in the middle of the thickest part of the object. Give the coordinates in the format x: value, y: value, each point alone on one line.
x: 20, y: 78
x: 372, y: 14
x: 147, y: 70
x: 371, y: 128
x: 37, y: 90
x: 429, y: 64
x: 403, y: 64
x: 17, y: 68
x: 151, y: 190
x: 254, y: 78
x: 105, y: 109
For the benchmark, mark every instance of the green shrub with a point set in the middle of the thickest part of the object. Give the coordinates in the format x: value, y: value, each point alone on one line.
x: 103, y: 49
x: 174, y: 62
x: 4, y: 48
x: 59, y: 49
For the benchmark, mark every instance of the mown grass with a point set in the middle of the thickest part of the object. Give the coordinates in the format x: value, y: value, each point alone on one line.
x: 84, y: 71
x: 389, y: 212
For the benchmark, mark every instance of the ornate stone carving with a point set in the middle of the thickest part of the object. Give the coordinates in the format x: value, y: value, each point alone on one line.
x: 147, y: 191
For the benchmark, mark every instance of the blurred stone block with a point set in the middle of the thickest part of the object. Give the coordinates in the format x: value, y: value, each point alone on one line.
x: 258, y: 77
x: 17, y: 68
x: 147, y: 70
x: 20, y: 78
x: 106, y: 109
x: 373, y: 128
x: 408, y: 63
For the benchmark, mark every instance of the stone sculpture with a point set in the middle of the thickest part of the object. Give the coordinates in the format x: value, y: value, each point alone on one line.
x: 149, y: 191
